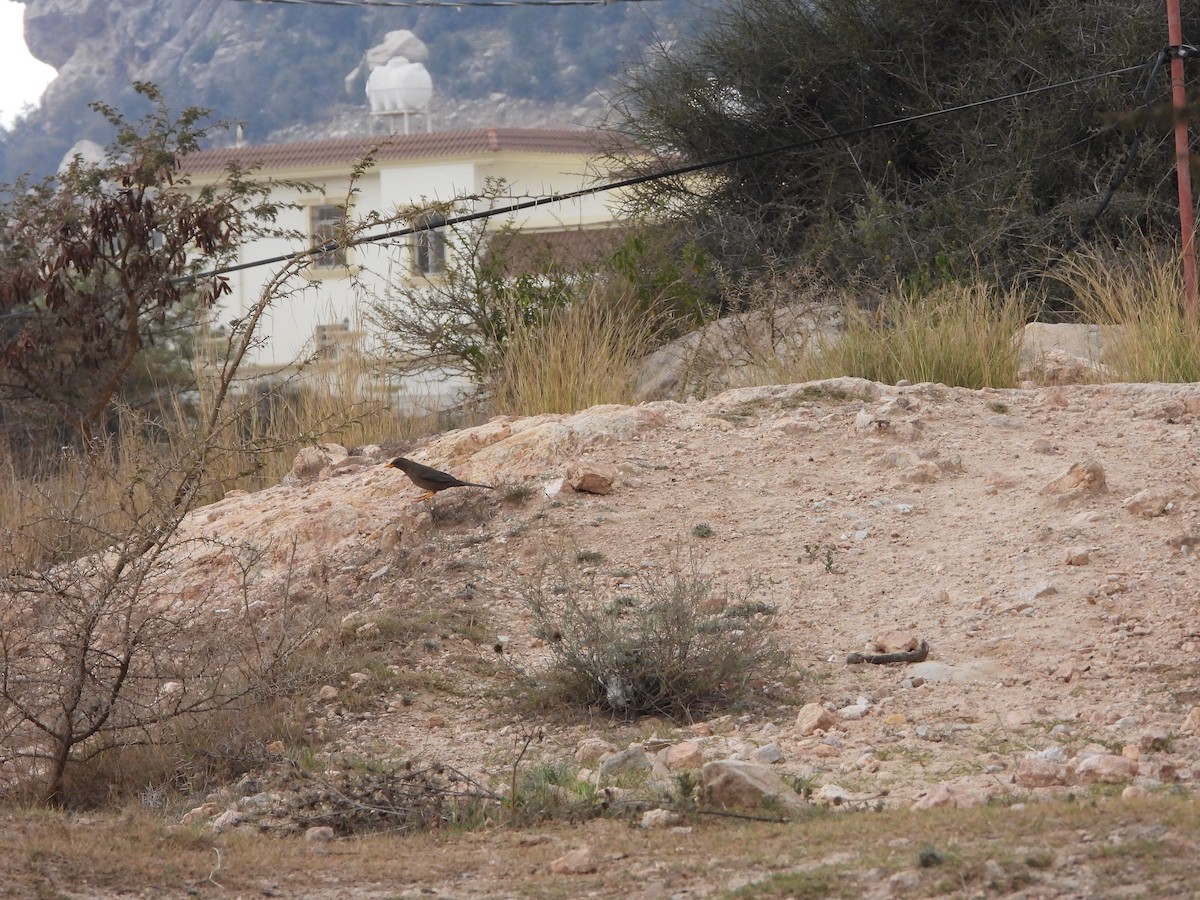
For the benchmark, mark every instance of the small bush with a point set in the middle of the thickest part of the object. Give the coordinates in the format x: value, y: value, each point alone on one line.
x: 656, y: 651
x: 189, y: 758
x: 552, y: 790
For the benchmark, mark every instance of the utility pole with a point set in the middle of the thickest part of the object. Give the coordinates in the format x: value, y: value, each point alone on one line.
x: 1183, y: 170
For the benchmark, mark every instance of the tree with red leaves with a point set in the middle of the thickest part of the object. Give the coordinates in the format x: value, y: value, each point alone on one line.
x: 96, y: 266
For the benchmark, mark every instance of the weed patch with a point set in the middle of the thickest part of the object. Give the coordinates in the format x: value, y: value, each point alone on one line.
x: 655, y: 650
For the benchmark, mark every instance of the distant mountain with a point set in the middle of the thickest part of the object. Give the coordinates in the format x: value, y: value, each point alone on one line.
x: 279, y: 66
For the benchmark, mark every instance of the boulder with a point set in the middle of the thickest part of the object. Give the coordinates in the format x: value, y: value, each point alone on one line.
x: 735, y: 784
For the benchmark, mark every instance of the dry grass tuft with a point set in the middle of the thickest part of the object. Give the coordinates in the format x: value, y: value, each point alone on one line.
x: 960, y: 335
x: 344, y: 400
x: 1138, y: 302
x: 580, y: 356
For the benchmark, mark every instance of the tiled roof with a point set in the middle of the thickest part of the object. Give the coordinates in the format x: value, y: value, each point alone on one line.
x: 432, y: 145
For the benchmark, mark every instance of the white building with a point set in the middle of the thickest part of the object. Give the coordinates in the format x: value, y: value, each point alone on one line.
x: 409, y: 171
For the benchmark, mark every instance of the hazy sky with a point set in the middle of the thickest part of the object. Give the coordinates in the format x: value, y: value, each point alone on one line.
x: 22, y: 78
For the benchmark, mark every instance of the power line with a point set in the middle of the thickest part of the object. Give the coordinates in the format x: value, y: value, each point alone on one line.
x: 654, y: 176
x: 442, y: 4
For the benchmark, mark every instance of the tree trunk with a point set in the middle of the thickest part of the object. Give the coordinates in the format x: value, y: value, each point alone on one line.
x: 54, y: 794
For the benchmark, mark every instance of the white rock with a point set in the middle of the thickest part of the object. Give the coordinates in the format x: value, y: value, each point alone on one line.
x: 1106, y: 768
x: 659, y: 818
x: 579, y: 861
x: 591, y: 750
x: 632, y: 759
x: 945, y: 794
x: 768, y: 753
x: 1148, y: 504
x: 744, y: 785
x: 227, y: 821
x: 814, y: 716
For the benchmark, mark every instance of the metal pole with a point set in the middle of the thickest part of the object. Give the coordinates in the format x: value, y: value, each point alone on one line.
x: 1183, y: 170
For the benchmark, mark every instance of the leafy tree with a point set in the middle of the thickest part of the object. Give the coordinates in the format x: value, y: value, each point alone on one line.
x: 991, y: 188
x: 102, y: 647
x: 94, y: 267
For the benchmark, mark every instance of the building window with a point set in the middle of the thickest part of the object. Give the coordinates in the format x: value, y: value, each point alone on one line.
x: 324, y: 224
x: 333, y: 338
x: 429, y: 247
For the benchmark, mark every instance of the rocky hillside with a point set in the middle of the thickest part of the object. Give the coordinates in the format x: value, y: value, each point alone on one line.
x: 1040, y: 541
x: 277, y: 66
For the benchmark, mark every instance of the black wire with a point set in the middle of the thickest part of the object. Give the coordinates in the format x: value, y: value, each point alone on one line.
x: 652, y: 176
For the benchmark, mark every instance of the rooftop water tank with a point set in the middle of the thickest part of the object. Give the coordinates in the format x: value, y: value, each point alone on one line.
x: 400, y: 86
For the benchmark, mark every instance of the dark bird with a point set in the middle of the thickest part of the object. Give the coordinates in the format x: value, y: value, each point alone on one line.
x: 431, y: 480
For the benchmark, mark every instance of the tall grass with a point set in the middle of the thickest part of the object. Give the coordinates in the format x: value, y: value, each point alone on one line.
x: 957, y: 334
x: 346, y: 400
x: 581, y: 356
x: 1138, y: 302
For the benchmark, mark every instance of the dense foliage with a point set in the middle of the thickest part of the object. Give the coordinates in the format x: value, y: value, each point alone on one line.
x: 94, y: 295
x: 997, y: 187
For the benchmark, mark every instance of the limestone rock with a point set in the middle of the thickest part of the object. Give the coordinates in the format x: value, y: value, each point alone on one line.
x: 768, y: 753
x: 683, y: 756
x: 1154, y: 740
x: 896, y: 640
x: 1082, y: 480
x: 227, y: 821
x: 1035, y: 772
x: 659, y: 818
x: 924, y: 472
x: 835, y: 795
x: 735, y: 784
x: 1061, y: 353
x: 579, y: 861
x: 633, y: 759
x: 590, y: 478
x: 199, y: 814
x: 1148, y: 504
x: 949, y: 795
x: 591, y: 750
x: 1078, y: 556
x: 525, y: 448
x: 854, y: 711
x: 306, y: 467
x: 814, y: 716
x: 1106, y: 768
x: 709, y: 359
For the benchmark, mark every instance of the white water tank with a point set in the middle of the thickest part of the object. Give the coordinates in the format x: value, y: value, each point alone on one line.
x: 400, y: 86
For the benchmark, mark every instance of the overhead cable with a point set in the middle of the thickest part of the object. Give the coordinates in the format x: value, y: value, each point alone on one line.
x: 655, y: 176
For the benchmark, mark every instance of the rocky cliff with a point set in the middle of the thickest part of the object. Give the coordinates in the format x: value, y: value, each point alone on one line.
x: 279, y: 66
